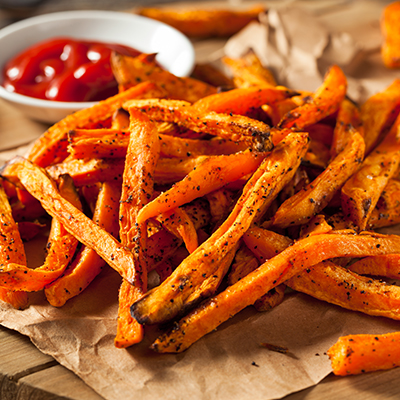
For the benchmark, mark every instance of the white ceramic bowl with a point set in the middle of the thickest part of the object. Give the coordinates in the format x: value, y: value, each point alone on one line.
x: 175, y: 51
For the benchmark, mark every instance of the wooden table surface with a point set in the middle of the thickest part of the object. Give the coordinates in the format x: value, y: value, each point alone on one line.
x: 26, y: 373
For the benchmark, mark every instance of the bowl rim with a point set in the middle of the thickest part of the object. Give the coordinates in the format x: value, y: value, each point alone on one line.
x: 66, y: 15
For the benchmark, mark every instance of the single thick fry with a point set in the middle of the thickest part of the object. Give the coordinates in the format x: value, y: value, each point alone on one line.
x: 248, y: 71
x: 378, y: 112
x: 387, y: 266
x: 239, y: 101
x: 234, y: 127
x: 213, y: 173
x: 278, y: 269
x: 129, y: 71
x: 41, y: 186
x: 137, y: 188
x: 204, y: 23
x: 87, y: 264
x: 348, y: 117
x: 188, y: 283
x: 51, y: 147
x: 324, y: 102
x: 390, y: 49
x: 361, y: 192
x: 310, y: 201
x: 356, y: 354
x: 336, y: 285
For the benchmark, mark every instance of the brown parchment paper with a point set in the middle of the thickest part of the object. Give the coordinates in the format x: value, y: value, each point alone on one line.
x: 229, y: 363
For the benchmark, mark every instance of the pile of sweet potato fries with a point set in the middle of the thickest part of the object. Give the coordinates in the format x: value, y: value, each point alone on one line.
x: 227, y: 196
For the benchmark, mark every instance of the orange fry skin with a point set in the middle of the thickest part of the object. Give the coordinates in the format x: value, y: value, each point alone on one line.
x: 239, y: 101
x: 60, y: 248
x: 128, y: 71
x: 51, y: 147
x: 308, y: 202
x: 390, y: 49
x: 204, y: 23
x: 137, y: 188
x: 87, y: 264
x: 360, y: 194
x: 301, y: 255
x: 178, y: 222
x: 11, y: 250
x: 378, y: 112
x: 348, y: 117
x: 248, y: 71
x: 357, y: 354
x: 213, y: 173
x: 85, y: 172
x: 190, y: 279
x: 228, y: 126
x: 74, y: 221
x: 113, y: 143
x: 337, y: 285
x: 325, y: 101
x: 386, y: 265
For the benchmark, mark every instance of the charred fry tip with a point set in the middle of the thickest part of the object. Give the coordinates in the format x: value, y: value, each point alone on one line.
x: 135, y: 313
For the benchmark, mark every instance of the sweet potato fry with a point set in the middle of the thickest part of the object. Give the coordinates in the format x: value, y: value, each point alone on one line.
x: 361, y: 192
x: 206, y: 72
x: 41, y: 186
x: 348, y: 117
x: 239, y: 101
x: 356, y: 354
x: 306, y: 203
x: 171, y: 170
x: 51, y: 147
x: 234, y: 127
x: 220, y: 203
x: 278, y: 269
x: 387, y: 210
x: 378, y: 113
x: 204, y: 23
x: 336, y: 285
x: 248, y: 71
x: 11, y: 250
x: 137, y: 188
x: 317, y: 155
x: 60, y: 249
x: 97, y: 143
x: 87, y: 264
x: 387, y: 266
x: 88, y: 171
x: 129, y: 71
x: 244, y: 263
x: 264, y: 243
x: 213, y: 173
x: 324, y: 102
x: 110, y: 143
x: 178, y: 222
x: 391, y: 36
x: 188, y: 284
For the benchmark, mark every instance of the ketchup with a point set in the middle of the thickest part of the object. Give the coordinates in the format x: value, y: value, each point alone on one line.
x: 65, y: 69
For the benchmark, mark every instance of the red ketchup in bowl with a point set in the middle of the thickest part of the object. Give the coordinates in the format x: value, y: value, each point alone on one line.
x: 64, y: 69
